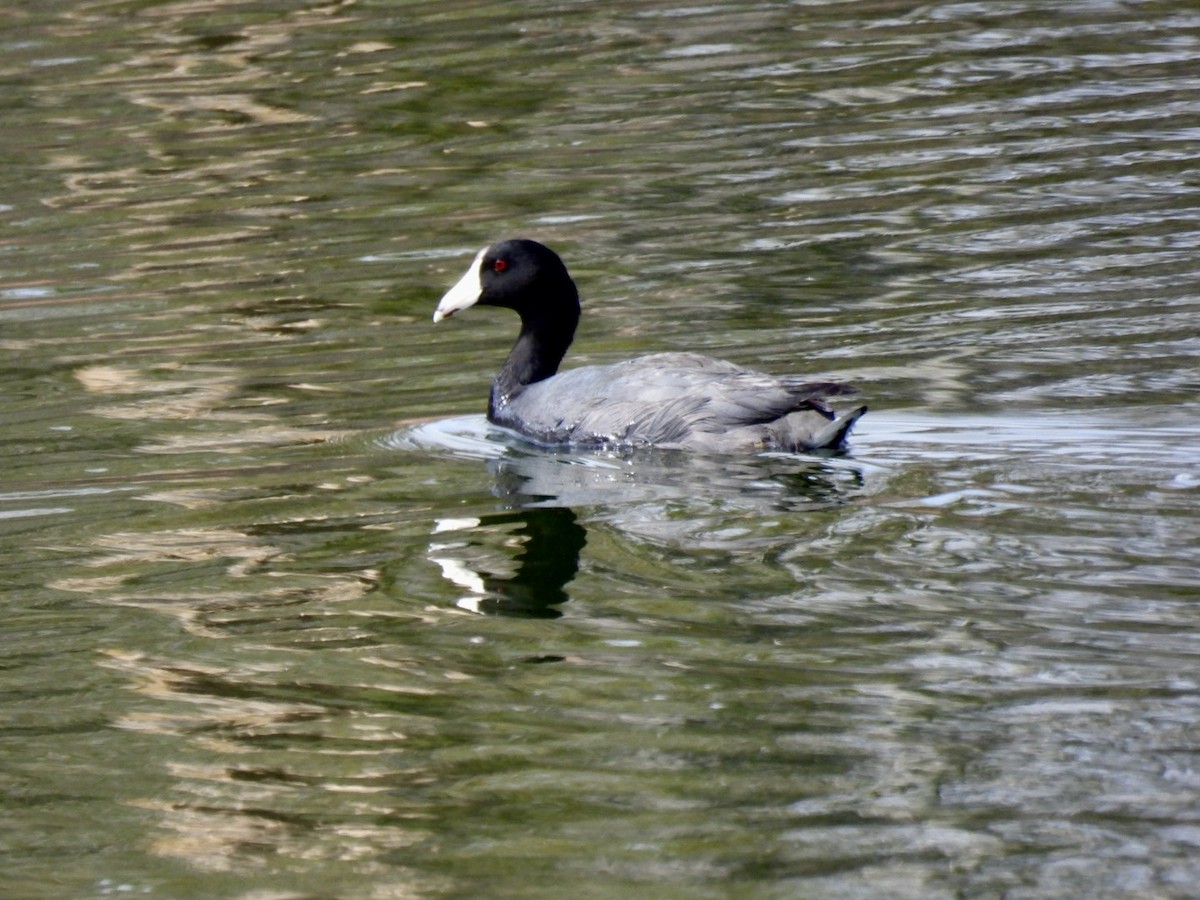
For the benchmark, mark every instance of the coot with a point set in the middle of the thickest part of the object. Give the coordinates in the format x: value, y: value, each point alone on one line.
x: 672, y: 400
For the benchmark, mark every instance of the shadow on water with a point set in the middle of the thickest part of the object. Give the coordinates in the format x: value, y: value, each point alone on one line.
x: 519, y: 561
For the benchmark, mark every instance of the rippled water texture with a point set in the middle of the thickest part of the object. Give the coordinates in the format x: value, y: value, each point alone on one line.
x: 284, y: 617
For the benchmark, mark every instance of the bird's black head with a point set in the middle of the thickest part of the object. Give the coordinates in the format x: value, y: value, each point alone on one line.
x: 517, y: 274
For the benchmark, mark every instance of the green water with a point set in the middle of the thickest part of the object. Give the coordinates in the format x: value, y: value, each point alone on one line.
x: 283, y: 617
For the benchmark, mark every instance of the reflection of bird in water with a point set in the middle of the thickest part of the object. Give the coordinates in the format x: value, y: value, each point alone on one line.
x: 550, y: 539
x: 520, y: 559
x: 674, y: 498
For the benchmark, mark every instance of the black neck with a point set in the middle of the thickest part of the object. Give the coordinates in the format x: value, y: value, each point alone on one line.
x: 539, y: 349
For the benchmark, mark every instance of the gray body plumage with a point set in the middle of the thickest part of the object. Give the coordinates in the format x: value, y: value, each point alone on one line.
x: 682, y: 401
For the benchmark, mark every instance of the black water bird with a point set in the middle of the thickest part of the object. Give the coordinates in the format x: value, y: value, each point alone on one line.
x: 681, y: 401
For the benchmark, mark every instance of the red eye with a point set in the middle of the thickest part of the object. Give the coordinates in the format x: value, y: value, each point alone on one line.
x: 500, y: 265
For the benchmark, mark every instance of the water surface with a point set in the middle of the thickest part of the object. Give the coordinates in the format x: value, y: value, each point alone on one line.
x: 285, y: 617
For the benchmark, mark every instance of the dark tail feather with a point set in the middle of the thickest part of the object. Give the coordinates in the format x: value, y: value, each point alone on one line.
x: 833, y: 435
